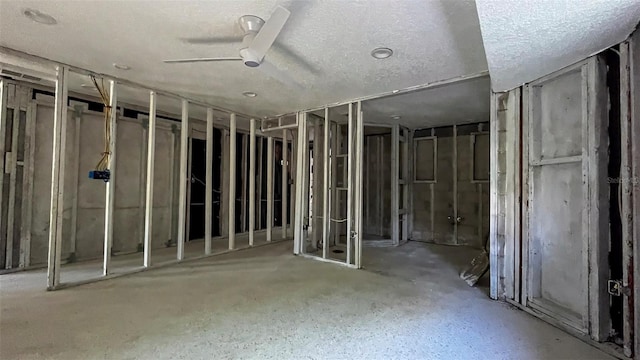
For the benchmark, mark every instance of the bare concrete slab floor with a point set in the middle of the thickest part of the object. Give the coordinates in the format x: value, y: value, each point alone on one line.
x: 265, y: 303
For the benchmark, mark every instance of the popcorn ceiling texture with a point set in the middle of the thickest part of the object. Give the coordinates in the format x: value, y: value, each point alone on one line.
x: 468, y: 99
x: 525, y: 40
x: 326, y: 45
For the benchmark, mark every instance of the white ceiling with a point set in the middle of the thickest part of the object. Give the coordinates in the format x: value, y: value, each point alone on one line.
x: 526, y: 40
x: 326, y: 45
x: 457, y: 103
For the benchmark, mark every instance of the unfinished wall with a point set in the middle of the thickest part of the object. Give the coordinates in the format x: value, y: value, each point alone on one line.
x: 377, y: 185
x: 81, y: 157
x: 455, y: 185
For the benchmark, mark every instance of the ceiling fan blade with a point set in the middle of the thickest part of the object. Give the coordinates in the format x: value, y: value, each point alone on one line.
x: 212, y: 40
x: 194, y: 60
x: 280, y: 75
x: 269, y: 32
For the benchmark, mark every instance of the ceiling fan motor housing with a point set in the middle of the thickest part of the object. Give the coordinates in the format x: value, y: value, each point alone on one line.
x: 250, y: 24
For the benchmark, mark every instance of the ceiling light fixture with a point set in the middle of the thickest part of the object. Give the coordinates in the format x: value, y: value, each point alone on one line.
x: 121, y: 66
x: 395, y: 91
x: 396, y: 117
x: 381, y: 53
x: 249, y: 94
x: 39, y: 17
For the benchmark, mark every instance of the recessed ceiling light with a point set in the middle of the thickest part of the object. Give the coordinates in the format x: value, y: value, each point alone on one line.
x: 39, y: 17
x: 249, y: 94
x: 396, y: 117
x: 381, y: 53
x: 121, y: 66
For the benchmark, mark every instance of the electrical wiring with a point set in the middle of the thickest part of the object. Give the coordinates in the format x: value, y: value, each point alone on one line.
x: 103, y: 164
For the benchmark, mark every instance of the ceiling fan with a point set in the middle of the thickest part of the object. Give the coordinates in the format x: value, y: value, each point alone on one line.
x: 258, y: 38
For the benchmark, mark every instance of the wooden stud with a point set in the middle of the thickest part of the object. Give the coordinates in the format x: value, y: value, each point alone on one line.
x: 12, y: 184
x: 283, y: 203
x: 299, y: 215
x: 27, y: 213
x: 143, y: 178
x: 410, y: 175
x: 292, y: 181
x: 224, y: 180
x: 326, y: 214
x: 3, y: 130
x: 110, y: 188
x: 405, y: 186
x: 454, y: 165
x: 634, y: 88
x: 598, y: 195
x: 243, y: 182
x: 172, y: 185
x: 395, y: 203
x: 335, y: 206
x: 252, y: 180
x: 350, y: 181
x: 315, y: 220
x: 187, y: 219
x: 184, y: 176
x: 232, y: 182
x: 270, y: 165
x: 259, y: 181
x: 208, y: 211
x: 306, y: 180
x: 358, y: 185
x: 151, y: 149
x: 626, y: 189
x: 57, y: 178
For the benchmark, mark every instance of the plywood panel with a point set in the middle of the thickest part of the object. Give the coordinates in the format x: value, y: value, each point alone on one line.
x: 558, y: 117
x: 556, y: 236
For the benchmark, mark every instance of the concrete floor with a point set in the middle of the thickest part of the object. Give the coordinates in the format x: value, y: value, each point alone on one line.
x: 264, y: 303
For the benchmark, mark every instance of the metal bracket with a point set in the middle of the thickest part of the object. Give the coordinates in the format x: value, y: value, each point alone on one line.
x: 616, y: 288
x: 79, y: 109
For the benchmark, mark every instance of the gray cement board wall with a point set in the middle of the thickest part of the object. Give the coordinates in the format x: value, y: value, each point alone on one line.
x: 91, y: 193
x: 378, y: 220
x: 472, y: 198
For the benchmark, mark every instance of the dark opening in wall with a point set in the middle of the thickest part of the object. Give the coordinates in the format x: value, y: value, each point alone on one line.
x: 615, y: 256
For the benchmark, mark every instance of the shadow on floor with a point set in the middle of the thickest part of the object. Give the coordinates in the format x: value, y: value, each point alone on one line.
x: 423, y: 262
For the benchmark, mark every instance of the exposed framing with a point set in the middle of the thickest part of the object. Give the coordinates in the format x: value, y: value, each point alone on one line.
x: 232, y: 182
x: 151, y: 148
x: 270, y: 168
x: 208, y: 211
x: 595, y: 317
x: 252, y: 180
x: 57, y: 178
x: 110, y: 186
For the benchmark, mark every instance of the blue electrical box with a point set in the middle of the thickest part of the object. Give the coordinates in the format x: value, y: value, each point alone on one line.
x: 100, y: 175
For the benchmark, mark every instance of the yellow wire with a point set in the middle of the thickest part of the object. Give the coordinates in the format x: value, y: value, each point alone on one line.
x: 103, y: 164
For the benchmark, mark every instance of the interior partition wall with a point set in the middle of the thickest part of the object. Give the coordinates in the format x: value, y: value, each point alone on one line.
x: 53, y: 215
x: 328, y: 210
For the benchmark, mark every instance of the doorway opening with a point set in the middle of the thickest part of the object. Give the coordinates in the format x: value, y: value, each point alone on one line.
x: 426, y: 182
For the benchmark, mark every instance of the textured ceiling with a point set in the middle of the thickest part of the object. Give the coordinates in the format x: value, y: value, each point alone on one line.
x: 525, y: 40
x: 457, y: 103
x: 325, y: 45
